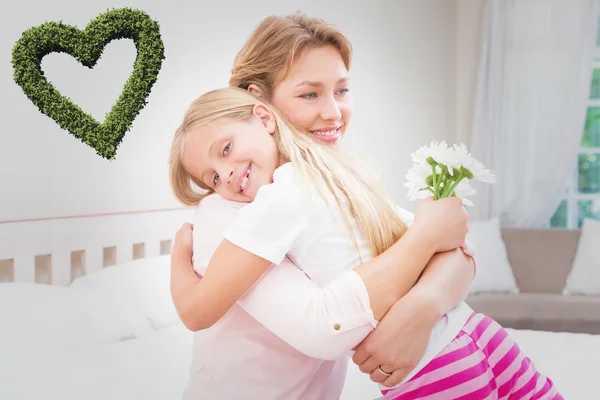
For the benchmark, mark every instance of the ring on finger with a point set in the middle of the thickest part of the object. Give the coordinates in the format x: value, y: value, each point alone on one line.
x: 383, y: 372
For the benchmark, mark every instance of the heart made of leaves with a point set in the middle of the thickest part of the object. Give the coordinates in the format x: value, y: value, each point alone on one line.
x: 86, y: 46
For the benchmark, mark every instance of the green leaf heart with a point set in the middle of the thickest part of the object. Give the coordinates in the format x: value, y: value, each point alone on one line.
x: 86, y: 47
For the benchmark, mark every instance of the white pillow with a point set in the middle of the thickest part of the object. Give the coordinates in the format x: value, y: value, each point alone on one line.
x: 494, y: 273
x: 137, y: 292
x: 36, y: 317
x: 584, y: 277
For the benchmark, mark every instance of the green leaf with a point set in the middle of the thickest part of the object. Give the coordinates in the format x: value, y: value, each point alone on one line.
x: 86, y: 47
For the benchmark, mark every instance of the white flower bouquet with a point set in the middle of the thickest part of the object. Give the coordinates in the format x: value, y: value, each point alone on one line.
x: 441, y: 171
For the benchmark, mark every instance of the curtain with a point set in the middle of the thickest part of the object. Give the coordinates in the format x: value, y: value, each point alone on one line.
x: 533, y: 86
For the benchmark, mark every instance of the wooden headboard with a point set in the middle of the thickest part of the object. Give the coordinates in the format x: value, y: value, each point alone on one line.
x: 57, y: 250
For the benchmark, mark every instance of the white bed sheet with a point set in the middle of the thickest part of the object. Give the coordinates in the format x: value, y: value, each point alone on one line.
x: 156, y: 367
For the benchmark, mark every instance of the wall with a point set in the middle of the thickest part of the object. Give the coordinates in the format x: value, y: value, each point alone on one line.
x: 469, y: 14
x: 405, y: 76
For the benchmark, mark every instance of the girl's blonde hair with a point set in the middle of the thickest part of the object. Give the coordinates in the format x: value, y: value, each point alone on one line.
x: 269, y: 53
x: 265, y: 60
x: 357, y: 192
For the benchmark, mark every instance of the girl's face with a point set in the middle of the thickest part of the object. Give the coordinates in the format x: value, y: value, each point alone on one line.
x: 314, y: 96
x: 234, y: 158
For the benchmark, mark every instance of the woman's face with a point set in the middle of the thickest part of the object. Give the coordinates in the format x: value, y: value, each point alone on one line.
x: 315, y: 96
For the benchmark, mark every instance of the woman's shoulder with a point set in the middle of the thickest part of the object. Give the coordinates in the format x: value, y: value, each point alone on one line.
x: 407, y: 216
x: 213, y: 209
x: 215, y: 201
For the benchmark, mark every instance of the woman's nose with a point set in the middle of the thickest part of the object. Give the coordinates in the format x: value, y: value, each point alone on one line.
x: 331, y: 110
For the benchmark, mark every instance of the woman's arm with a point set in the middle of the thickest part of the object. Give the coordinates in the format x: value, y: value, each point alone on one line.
x: 331, y: 319
x: 253, y: 242
x: 401, y: 338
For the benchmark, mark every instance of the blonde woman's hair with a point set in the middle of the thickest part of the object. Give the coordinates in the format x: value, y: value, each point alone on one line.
x: 357, y: 192
x: 269, y: 53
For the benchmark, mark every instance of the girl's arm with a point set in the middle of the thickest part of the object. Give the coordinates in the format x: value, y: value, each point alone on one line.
x: 322, y: 322
x: 231, y: 273
x: 262, y: 234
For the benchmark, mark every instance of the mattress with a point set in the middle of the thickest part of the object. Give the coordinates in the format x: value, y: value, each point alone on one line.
x: 156, y: 367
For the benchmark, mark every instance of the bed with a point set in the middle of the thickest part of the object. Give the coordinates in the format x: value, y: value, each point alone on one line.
x: 86, y: 314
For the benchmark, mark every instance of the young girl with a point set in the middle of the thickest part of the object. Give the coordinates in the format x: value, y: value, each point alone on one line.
x: 328, y: 213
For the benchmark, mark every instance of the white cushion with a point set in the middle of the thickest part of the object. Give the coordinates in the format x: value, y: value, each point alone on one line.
x: 36, y: 317
x: 494, y: 272
x: 584, y: 277
x: 136, y: 292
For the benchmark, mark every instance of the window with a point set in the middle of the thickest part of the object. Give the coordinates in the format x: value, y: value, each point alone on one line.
x: 582, y: 197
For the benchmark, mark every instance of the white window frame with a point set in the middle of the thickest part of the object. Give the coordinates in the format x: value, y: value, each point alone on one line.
x: 572, y: 196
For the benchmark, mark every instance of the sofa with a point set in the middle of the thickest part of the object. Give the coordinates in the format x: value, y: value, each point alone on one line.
x: 541, y: 260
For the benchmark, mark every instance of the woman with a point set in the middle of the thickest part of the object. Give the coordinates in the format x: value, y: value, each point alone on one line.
x: 300, y: 65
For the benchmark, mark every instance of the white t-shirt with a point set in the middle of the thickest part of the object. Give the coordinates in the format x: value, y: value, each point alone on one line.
x: 284, y: 220
x: 279, y: 341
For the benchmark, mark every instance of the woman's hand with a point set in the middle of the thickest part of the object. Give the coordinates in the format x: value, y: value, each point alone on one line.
x: 400, y: 339
x: 443, y: 223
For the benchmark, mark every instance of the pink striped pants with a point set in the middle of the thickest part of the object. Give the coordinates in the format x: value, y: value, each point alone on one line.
x: 483, y: 362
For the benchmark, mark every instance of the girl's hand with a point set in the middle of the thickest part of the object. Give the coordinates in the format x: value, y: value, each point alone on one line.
x: 443, y: 223
x: 182, y: 246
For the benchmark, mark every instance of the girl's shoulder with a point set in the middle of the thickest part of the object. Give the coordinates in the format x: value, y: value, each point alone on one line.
x: 285, y: 183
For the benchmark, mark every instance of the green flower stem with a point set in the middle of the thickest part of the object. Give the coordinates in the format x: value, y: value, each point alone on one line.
x: 437, y: 186
x: 434, y: 181
x: 452, y: 186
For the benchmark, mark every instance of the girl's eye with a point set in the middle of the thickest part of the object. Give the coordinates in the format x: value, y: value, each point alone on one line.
x: 343, y: 91
x: 309, y: 95
x: 226, y: 149
x: 216, y: 179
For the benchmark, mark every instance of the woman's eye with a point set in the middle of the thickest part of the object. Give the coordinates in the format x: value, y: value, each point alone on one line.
x: 343, y: 91
x: 226, y: 149
x: 216, y: 179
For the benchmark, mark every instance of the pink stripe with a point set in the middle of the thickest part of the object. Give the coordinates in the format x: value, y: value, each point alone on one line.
x: 454, y: 381
x: 544, y: 390
x: 473, y: 323
x: 486, y: 392
x: 507, y: 385
x: 464, y: 387
x: 492, y: 396
x: 527, y: 383
x: 452, y: 356
x: 435, y: 377
x: 506, y: 365
x: 480, y: 329
x: 501, y: 351
x: 541, y: 388
x: 482, y: 362
x: 487, y: 336
x: 470, y: 318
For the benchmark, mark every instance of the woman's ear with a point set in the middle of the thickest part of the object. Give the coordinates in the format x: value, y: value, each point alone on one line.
x: 265, y: 116
x: 255, y: 90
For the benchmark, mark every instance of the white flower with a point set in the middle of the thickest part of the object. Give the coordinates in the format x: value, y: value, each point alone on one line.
x: 417, y: 181
x: 455, y: 167
x: 467, y: 161
x: 462, y: 190
x: 436, y: 150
